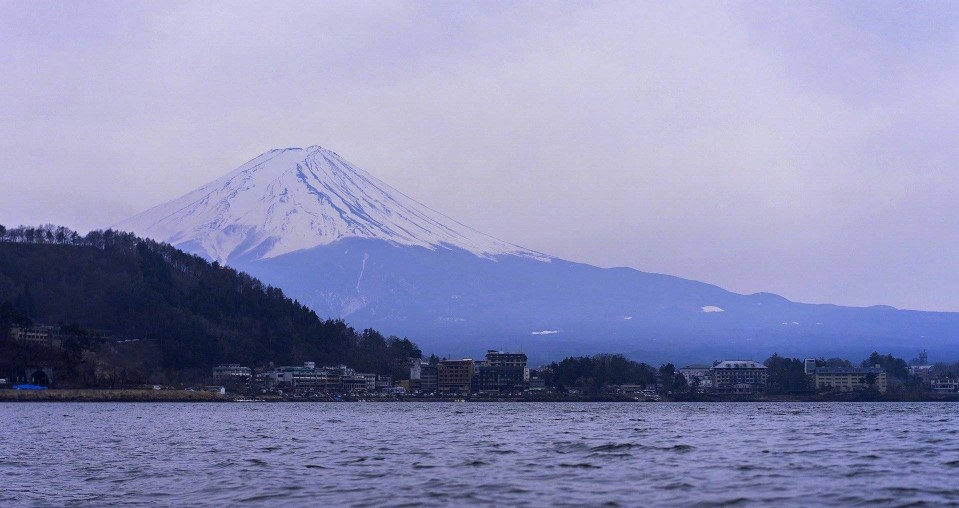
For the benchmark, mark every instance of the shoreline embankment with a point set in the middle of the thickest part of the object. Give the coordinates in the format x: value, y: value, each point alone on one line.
x: 108, y: 395
x: 145, y: 395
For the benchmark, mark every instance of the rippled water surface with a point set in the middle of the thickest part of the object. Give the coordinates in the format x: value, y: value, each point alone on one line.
x: 475, y: 453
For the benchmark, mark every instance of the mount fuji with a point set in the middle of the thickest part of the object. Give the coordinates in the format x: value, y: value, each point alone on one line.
x: 348, y: 245
x: 294, y: 199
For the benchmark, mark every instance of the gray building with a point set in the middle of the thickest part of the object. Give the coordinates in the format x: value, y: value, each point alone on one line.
x: 739, y: 376
x: 423, y: 377
x: 501, y: 372
x: 44, y: 336
x: 383, y: 382
x: 944, y: 384
x: 232, y: 373
x: 702, y: 373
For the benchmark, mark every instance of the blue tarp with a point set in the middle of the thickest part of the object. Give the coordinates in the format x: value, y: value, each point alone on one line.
x: 29, y: 387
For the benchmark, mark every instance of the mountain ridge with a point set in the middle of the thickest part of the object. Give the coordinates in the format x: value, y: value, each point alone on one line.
x: 384, y: 262
x: 171, y: 313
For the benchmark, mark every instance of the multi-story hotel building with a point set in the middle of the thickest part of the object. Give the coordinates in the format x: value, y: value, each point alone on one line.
x: 454, y: 377
x: 739, y: 376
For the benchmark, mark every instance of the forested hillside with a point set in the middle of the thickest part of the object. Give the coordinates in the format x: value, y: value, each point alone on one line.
x: 192, y: 313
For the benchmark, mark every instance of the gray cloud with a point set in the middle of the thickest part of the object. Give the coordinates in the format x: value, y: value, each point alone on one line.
x: 802, y: 148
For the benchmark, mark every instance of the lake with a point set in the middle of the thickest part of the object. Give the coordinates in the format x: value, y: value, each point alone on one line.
x: 439, y: 454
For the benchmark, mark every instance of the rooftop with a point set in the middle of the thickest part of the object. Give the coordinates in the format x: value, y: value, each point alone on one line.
x: 848, y: 370
x: 738, y: 364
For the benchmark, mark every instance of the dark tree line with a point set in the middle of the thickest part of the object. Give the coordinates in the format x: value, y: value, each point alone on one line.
x: 592, y: 373
x: 895, y: 367
x: 947, y: 370
x: 195, y: 313
x: 787, y: 375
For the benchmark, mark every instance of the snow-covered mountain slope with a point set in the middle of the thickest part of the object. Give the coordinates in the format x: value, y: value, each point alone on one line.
x: 287, y: 200
x: 349, y: 246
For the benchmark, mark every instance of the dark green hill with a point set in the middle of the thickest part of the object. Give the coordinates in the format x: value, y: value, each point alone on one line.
x: 191, y: 313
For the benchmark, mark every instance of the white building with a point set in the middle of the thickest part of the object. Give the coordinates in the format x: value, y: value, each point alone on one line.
x: 232, y: 372
x: 944, y: 384
x: 697, y: 371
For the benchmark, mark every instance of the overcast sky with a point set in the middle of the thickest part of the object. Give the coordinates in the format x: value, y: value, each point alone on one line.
x: 807, y: 148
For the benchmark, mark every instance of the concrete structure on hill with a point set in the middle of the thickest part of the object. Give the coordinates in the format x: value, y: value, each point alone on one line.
x: 42, y: 375
x: 54, y: 337
x: 44, y: 336
x: 739, y: 376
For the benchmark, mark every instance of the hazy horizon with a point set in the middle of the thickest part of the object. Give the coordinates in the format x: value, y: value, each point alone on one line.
x: 804, y: 149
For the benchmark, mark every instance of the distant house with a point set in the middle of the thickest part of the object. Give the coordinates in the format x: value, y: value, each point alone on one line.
x: 738, y: 376
x: 631, y: 389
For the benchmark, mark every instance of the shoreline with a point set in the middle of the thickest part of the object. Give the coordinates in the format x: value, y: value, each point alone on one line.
x: 135, y: 395
x: 110, y: 395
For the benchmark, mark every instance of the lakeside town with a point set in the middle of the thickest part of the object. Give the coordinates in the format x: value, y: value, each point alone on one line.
x: 502, y: 375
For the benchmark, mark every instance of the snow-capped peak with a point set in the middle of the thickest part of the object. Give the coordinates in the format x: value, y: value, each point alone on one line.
x: 292, y: 199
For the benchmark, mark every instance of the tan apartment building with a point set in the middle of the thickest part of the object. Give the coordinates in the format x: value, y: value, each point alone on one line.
x: 846, y: 379
x: 454, y: 377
